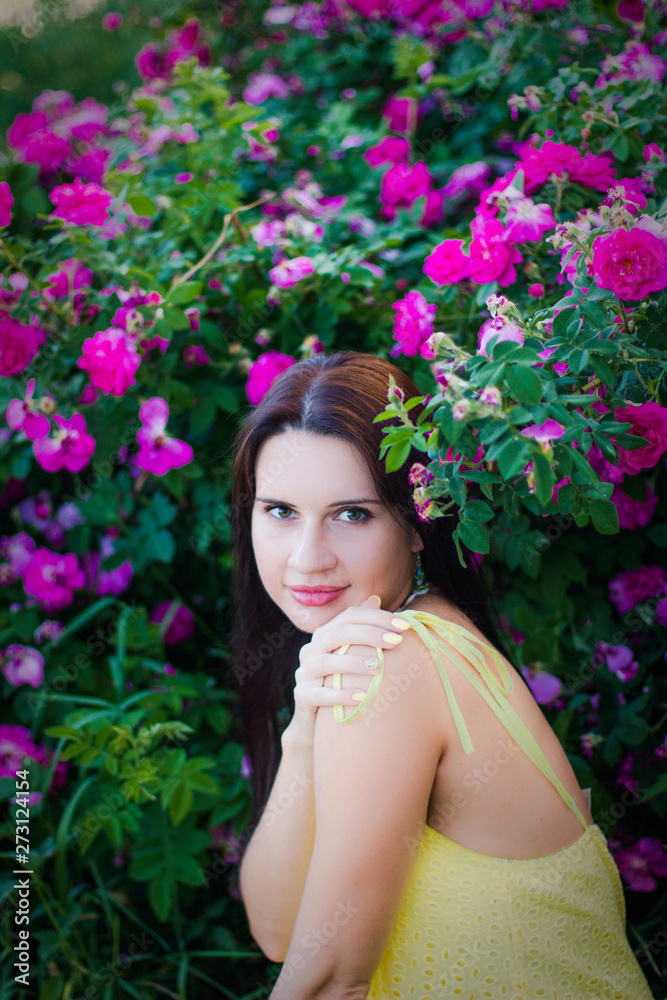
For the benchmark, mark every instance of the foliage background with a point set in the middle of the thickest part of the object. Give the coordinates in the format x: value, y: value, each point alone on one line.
x: 133, y: 847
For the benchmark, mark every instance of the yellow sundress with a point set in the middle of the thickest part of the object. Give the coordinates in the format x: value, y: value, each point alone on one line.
x: 474, y: 926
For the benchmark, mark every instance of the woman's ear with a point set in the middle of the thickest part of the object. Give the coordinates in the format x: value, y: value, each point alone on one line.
x: 417, y: 543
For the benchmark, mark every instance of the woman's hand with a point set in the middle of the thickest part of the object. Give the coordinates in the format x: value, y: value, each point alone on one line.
x: 364, y: 625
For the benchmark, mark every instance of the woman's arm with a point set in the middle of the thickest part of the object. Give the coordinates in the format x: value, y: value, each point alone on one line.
x: 373, y: 781
x: 275, y: 864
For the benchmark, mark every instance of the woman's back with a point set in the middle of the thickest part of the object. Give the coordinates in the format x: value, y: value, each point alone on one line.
x: 495, y: 800
x: 476, y: 924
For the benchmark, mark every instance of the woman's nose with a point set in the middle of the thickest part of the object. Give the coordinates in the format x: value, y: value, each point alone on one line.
x: 311, y: 550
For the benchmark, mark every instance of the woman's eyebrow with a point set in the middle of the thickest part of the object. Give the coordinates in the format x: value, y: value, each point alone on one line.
x: 337, y: 503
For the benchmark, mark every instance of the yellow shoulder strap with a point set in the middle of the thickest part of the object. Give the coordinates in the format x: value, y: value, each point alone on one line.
x: 458, y: 640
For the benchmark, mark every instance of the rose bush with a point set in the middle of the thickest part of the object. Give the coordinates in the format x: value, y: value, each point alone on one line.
x: 474, y: 189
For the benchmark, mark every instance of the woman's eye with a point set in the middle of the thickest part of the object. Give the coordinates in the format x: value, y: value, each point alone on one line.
x: 357, y: 510
x: 268, y: 509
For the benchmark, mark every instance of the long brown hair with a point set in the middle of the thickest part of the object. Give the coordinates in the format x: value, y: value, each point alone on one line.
x: 337, y: 394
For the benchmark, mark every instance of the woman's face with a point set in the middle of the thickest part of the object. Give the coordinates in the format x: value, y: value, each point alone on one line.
x: 317, y: 521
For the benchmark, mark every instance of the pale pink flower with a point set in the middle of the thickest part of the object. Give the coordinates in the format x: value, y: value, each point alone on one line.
x: 6, y: 202
x: 447, y: 263
x: 111, y: 360
x: 158, y: 452
x: 70, y: 448
x: 288, y: 272
x: 413, y: 325
x: 22, y: 665
x: 48, y: 631
x: 467, y: 180
x: 17, y: 550
x: 263, y: 372
x: 648, y: 420
x: 24, y: 415
x: 262, y: 86
x: 525, y: 221
x: 19, y: 345
x: 52, y: 578
x: 492, y: 256
x: 499, y: 328
x: 546, y: 432
x: 269, y: 233
x: 633, y: 264
x: 81, y: 204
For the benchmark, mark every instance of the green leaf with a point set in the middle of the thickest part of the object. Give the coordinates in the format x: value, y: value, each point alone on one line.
x: 512, y: 458
x: 180, y: 804
x: 397, y: 455
x: 142, y: 205
x: 477, y: 510
x: 474, y: 536
x: 604, y: 515
x: 176, y: 318
x: 159, y: 896
x: 182, y: 294
x: 524, y: 384
x: 544, y: 478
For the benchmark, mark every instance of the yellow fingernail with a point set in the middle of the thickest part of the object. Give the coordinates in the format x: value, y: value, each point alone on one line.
x: 392, y: 637
x: 377, y: 598
x: 358, y: 695
x: 400, y: 623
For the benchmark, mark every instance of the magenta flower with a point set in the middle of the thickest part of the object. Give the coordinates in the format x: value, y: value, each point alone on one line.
x: 81, y: 204
x: 6, y: 202
x: 52, y: 578
x: 633, y: 514
x: 399, y: 112
x: 111, y: 360
x: 636, y: 585
x: 492, y: 256
x: 48, y: 631
x: 263, y: 372
x: 640, y: 862
x: 525, y: 221
x: 391, y: 149
x: 15, y: 744
x: 401, y: 185
x: 112, y: 21
x: 19, y: 345
x: 467, y: 180
x: 268, y: 233
x: 262, y: 86
x: 22, y: 665
x: 558, y: 158
x: 413, y: 325
x: 545, y: 687
x: 648, y: 420
x: 499, y: 328
x: 619, y: 659
x: 182, y: 625
x: 70, y: 277
x: 100, y: 581
x: 158, y: 452
x: 633, y: 264
x: 447, y: 263
x: 70, y: 448
x: 23, y: 415
x: 545, y: 433
x: 288, y: 272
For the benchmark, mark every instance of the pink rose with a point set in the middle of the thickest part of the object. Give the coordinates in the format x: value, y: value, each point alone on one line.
x: 391, y: 149
x: 111, y: 360
x: 19, y: 345
x: 497, y: 326
x: 413, y: 325
x: 633, y: 264
x: 648, y: 420
x: 636, y: 585
x: 6, y: 202
x: 288, y: 272
x: 70, y: 449
x: 81, y: 204
x: 492, y: 256
x: 112, y: 21
x: 633, y: 514
x: 447, y: 263
x: 263, y: 372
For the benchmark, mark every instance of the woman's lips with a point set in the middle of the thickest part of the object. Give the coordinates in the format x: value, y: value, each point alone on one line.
x: 316, y: 598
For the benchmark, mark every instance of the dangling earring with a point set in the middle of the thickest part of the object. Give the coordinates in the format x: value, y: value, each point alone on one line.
x: 419, y: 579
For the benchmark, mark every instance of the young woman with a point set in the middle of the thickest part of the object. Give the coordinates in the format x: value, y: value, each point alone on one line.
x: 438, y: 843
